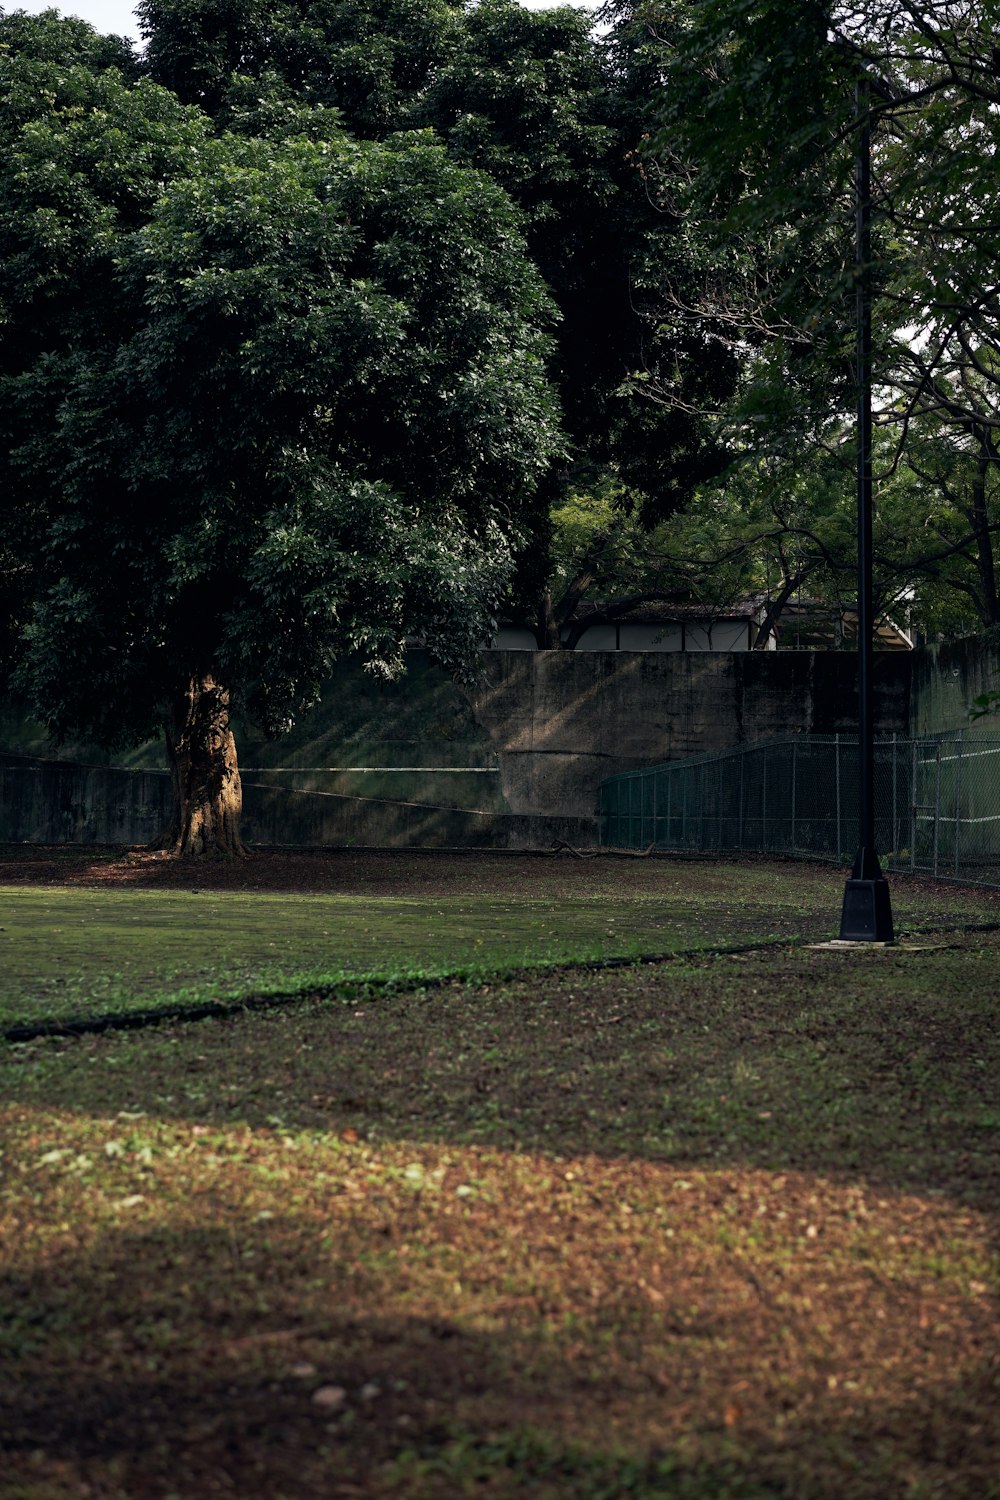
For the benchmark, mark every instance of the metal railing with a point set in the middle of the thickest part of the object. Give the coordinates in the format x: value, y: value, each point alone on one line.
x: 937, y: 802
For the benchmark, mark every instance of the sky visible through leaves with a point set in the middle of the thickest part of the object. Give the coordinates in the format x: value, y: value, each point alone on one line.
x: 116, y: 17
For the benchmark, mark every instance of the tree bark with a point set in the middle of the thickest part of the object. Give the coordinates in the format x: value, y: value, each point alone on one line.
x: 547, y: 629
x: 980, y: 521
x: 775, y: 609
x: 208, y: 796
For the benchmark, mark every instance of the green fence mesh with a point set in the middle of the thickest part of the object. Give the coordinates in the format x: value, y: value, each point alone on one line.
x: 937, y: 802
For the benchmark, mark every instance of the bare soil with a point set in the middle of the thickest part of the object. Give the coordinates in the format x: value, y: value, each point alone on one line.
x: 718, y: 1227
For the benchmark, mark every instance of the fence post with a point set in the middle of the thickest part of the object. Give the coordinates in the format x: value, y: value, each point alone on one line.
x: 684, y: 813
x: 937, y: 802
x: 742, y: 764
x: 795, y: 764
x: 958, y: 805
x: 670, y: 787
x: 895, y: 830
x: 913, y: 805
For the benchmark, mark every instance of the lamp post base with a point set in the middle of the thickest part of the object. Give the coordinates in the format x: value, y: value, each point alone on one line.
x: 867, y: 912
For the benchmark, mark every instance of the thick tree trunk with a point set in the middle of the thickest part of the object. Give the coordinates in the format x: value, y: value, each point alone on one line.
x: 208, y: 797
x: 775, y: 609
x: 980, y: 520
x: 547, y: 630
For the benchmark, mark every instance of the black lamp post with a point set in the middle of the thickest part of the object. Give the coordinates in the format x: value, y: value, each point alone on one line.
x: 867, y: 909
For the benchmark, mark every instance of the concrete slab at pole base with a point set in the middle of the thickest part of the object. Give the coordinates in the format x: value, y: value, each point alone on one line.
x: 867, y: 912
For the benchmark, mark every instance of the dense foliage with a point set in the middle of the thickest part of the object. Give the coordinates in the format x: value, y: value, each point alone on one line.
x: 315, y: 314
x: 266, y: 399
x: 555, y: 115
x: 274, y: 375
x: 759, y: 108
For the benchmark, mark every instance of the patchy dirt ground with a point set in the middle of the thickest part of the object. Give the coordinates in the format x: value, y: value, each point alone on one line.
x: 418, y: 871
x: 718, y: 1227
x: 395, y: 871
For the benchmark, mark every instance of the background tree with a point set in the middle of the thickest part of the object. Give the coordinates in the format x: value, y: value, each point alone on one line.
x: 766, y: 533
x: 83, y: 149
x: 758, y: 122
x: 297, y: 415
x: 778, y: 530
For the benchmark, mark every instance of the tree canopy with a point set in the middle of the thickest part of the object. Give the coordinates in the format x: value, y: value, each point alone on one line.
x: 290, y: 299
x: 554, y: 114
x: 266, y: 401
x: 759, y: 108
x: 311, y: 313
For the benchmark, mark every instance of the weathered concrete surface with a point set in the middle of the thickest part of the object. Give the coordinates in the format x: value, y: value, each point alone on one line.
x: 525, y: 831
x: 555, y: 723
x: 560, y: 722
x: 57, y: 802
x: 60, y: 802
x: 277, y: 817
x: 946, y: 678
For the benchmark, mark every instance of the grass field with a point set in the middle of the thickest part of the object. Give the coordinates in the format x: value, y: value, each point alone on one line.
x: 73, y: 951
x: 719, y: 1226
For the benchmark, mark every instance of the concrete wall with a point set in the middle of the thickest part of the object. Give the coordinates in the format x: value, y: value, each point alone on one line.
x: 57, y: 802
x: 60, y: 802
x: 946, y: 678
x: 554, y: 723
x: 313, y: 819
x: 561, y: 721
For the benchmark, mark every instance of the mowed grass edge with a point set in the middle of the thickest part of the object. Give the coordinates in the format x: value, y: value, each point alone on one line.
x: 76, y: 947
x: 73, y: 954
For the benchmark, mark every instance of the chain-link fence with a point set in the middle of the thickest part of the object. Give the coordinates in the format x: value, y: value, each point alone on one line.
x: 937, y: 802
x: 61, y: 802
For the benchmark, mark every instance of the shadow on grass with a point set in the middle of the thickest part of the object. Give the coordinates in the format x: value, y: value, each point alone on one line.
x: 577, y: 1236
x: 873, y: 1067
x: 117, y: 1377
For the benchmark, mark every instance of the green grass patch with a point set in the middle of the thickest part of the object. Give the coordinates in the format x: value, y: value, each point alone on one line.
x: 86, y: 945
x: 68, y: 954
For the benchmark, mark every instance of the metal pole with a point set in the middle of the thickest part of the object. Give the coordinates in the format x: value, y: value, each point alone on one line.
x: 895, y: 830
x: 684, y: 811
x: 866, y: 915
x: 867, y: 862
x: 795, y: 746
x: 670, y: 787
x: 914, y: 773
x: 742, y: 764
x: 937, y: 805
x: 836, y: 751
x: 958, y: 808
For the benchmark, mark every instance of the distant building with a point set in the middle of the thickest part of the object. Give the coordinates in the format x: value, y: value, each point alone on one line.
x: 806, y: 625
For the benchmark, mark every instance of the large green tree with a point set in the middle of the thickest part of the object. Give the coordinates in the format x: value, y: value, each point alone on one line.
x: 759, y: 107
x: 267, y: 401
x: 555, y: 114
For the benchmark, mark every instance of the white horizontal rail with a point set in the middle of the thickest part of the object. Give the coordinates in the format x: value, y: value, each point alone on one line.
x: 964, y: 755
x: 426, y: 770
